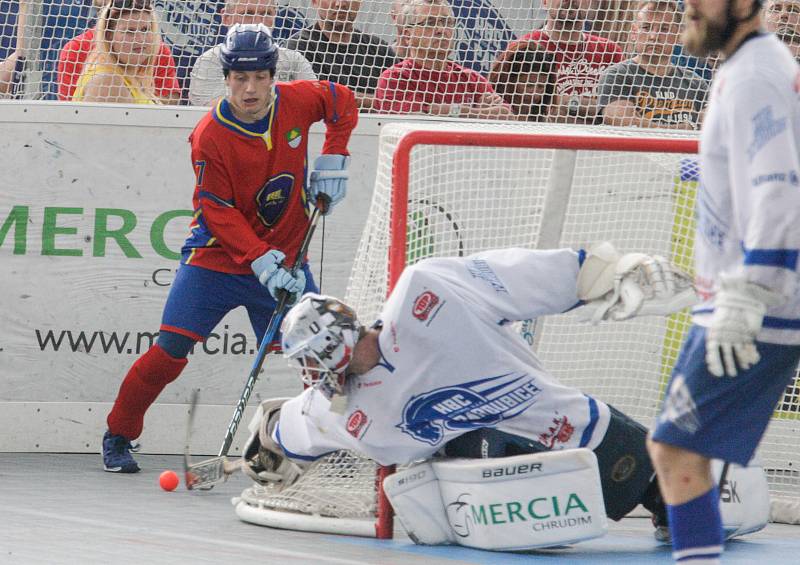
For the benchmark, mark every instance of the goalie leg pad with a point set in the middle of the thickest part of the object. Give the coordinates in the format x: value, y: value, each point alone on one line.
x: 417, y: 503
x: 523, y: 502
x: 744, y: 498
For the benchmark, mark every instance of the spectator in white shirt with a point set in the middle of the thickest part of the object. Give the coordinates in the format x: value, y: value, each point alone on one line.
x: 207, y: 81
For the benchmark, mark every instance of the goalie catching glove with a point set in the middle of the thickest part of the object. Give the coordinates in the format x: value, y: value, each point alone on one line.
x: 618, y: 287
x: 264, y: 460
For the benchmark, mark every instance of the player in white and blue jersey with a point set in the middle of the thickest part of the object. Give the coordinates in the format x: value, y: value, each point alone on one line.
x: 743, y: 348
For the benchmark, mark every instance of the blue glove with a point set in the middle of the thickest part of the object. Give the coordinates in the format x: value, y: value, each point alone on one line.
x: 271, y: 273
x: 329, y: 179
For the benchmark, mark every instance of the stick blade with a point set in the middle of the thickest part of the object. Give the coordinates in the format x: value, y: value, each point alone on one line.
x: 207, y: 473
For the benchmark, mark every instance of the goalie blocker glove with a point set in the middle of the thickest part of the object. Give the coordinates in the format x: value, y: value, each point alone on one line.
x: 739, y: 308
x: 263, y: 459
x: 618, y: 287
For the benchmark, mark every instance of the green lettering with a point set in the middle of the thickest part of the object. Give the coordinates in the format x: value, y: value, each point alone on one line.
x: 157, y: 233
x: 556, y: 511
x: 50, y: 230
x: 102, y: 232
x: 19, y: 215
x: 533, y: 513
x: 514, y: 509
x: 479, y: 517
x: 574, y: 502
x: 496, y: 514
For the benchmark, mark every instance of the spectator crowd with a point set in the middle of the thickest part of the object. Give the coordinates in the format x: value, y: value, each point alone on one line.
x: 612, y: 62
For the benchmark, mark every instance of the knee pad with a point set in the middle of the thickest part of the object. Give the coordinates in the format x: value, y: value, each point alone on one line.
x: 626, y: 472
x: 174, y: 344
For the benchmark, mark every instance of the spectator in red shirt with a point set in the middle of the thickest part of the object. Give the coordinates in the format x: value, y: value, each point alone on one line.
x: 581, y: 58
x: 74, y: 53
x: 427, y: 82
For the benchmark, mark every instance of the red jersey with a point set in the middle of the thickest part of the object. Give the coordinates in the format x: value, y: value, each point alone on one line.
x: 73, y: 55
x: 579, y: 65
x: 250, y: 192
x: 407, y: 87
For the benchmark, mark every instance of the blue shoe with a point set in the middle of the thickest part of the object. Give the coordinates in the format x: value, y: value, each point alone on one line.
x: 117, y: 454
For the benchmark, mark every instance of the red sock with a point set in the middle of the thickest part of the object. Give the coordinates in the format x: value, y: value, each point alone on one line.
x: 144, y: 382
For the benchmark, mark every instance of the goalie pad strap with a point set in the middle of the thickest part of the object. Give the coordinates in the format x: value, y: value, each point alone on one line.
x: 513, y: 503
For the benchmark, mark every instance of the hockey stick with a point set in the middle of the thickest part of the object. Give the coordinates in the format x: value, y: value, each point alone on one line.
x: 205, y: 474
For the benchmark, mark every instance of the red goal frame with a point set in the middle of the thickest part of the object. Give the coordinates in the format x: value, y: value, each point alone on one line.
x: 401, y: 163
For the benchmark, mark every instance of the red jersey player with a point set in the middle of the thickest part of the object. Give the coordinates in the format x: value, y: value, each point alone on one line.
x: 249, y: 157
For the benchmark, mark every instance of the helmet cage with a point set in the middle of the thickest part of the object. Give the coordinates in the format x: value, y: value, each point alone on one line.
x: 319, y: 335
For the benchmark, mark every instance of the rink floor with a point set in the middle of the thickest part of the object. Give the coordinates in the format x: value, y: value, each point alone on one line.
x: 58, y: 508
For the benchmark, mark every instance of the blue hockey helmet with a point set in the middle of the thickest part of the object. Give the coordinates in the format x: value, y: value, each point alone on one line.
x: 249, y: 47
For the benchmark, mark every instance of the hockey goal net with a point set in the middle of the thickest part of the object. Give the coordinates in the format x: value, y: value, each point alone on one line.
x: 444, y: 190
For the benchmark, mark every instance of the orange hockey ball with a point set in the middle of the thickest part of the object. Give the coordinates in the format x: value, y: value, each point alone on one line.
x: 168, y: 480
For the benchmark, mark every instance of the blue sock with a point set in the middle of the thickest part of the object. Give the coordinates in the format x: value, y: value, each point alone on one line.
x: 696, y: 528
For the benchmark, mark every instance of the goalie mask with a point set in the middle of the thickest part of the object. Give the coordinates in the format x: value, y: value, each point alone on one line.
x: 319, y: 334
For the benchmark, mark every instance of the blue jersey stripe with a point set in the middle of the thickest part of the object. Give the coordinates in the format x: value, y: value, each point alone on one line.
x: 214, y: 198
x: 781, y: 323
x: 784, y: 258
x: 295, y: 455
x: 594, y: 414
x: 769, y: 321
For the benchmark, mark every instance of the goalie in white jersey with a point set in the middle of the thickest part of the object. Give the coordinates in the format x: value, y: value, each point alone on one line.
x: 443, y: 360
x: 743, y: 349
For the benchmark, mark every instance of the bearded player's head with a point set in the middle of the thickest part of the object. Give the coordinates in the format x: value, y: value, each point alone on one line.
x: 711, y: 25
x: 319, y: 336
x: 249, y: 57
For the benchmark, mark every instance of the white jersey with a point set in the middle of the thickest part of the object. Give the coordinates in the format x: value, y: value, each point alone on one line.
x: 208, y: 81
x: 748, y: 206
x: 451, y: 363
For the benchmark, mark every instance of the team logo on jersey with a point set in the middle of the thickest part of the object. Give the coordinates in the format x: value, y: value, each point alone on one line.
x: 273, y: 198
x: 294, y: 138
x: 424, y: 304
x: 560, y: 432
x: 357, y: 423
x: 480, y: 269
x: 765, y: 129
x: 680, y: 408
x: 476, y: 404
